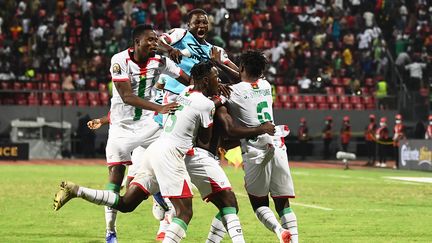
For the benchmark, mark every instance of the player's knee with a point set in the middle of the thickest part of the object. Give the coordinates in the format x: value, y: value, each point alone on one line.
x: 185, y: 213
x: 127, y: 208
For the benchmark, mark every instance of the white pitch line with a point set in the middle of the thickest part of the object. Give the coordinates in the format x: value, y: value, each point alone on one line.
x: 297, y: 204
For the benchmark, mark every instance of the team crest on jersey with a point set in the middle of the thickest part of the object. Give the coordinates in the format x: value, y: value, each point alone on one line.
x: 116, y: 69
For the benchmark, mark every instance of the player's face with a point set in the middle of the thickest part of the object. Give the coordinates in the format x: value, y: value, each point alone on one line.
x: 198, y: 25
x: 147, y: 44
x: 213, y: 81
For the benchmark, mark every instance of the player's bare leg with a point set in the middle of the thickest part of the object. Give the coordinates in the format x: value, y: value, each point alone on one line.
x: 178, y: 227
x: 264, y: 214
x: 226, y: 219
x: 116, y: 174
x: 287, y: 216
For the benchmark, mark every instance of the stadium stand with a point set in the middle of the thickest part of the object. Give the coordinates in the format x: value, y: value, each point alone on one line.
x: 343, y: 47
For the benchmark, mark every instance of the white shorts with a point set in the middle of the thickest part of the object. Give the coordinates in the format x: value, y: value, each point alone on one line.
x: 273, y: 177
x: 120, y: 146
x: 137, y: 158
x: 206, y: 173
x: 168, y: 168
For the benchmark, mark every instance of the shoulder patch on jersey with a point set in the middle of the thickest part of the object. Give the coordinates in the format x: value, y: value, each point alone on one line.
x: 116, y: 69
x: 212, y: 112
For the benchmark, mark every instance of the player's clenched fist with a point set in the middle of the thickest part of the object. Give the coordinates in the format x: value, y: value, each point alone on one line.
x: 97, y: 123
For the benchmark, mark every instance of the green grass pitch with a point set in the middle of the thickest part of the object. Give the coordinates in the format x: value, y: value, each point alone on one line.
x: 332, y: 205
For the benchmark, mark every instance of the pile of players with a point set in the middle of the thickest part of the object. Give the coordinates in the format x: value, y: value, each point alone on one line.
x: 174, y: 142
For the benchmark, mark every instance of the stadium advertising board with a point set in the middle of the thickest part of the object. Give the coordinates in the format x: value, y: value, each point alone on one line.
x: 415, y: 155
x: 14, y: 151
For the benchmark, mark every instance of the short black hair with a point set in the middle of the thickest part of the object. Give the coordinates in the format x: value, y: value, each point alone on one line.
x: 254, y: 62
x: 141, y: 29
x: 195, y: 11
x: 201, y: 70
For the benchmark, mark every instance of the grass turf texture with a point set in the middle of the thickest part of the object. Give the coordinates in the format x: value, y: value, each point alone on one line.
x: 365, y: 207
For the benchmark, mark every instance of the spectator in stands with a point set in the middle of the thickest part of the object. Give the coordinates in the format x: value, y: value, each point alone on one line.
x: 416, y: 74
x: 428, y: 134
x: 303, y: 138
x: 398, y: 134
x: 369, y: 136
x: 419, y: 130
x: 382, y: 136
x: 327, y: 135
x: 86, y: 137
x: 345, y: 133
x: 381, y: 93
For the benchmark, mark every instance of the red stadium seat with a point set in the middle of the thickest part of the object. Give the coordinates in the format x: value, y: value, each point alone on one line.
x: 323, y: 106
x: 82, y: 102
x: 344, y: 99
x: 370, y: 106
x: 300, y: 106
x: 288, y: 105
x: 368, y: 100
x: 312, y: 106
x: 369, y: 82
x: 336, y: 81
x: 297, y: 99
x: 6, y: 85
x: 69, y: 102
x: 93, y: 96
x: 30, y: 85
x: 284, y: 98
x: 281, y: 89
x: 104, y: 98
x: 46, y: 95
x: 346, y: 81
x: 308, y: 99
x: 355, y: 100
x: 277, y: 105
x: 33, y: 101
x: 81, y: 95
x: 340, y: 90
x: 335, y: 106
x: 92, y: 84
x: 44, y: 85
x: 359, y: 107
x: 364, y: 90
x: 54, y: 77
x: 55, y: 86
x: 329, y: 90
x: 57, y: 102
x: 332, y: 99
x: 320, y: 99
x: 46, y: 101
x: 56, y: 96
x: 94, y: 102
x: 17, y: 85
x: 346, y: 106
x: 292, y: 89
x: 69, y: 96
x: 102, y: 87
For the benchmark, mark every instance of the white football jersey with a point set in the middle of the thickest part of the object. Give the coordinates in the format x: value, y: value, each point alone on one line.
x: 142, y: 79
x: 250, y: 104
x: 195, y: 111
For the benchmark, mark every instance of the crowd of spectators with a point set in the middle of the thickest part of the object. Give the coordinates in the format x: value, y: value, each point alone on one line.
x: 311, y: 44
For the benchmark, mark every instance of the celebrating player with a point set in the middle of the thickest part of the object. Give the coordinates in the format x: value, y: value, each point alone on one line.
x: 250, y: 104
x: 134, y: 72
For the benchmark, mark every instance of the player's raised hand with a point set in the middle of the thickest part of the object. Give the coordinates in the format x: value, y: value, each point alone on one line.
x: 175, y: 55
x: 171, y: 107
x: 224, y: 90
x: 268, y: 128
x: 94, y: 124
x: 216, y: 54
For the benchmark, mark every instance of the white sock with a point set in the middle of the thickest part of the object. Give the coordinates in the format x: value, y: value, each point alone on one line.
x: 100, y: 197
x: 289, y: 222
x: 110, y: 219
x: 217, y: 230
x: 163, y: 225
x: 175, y: 232
x: 232, y: 224
x: 267, y: 217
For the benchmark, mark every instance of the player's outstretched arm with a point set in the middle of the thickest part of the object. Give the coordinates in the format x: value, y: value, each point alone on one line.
x: 173, y: 53
x: 221, y: 60
x: 184, y: 79
x: 97, y: 123
x: 235, y: 131
x: 125, y: 91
